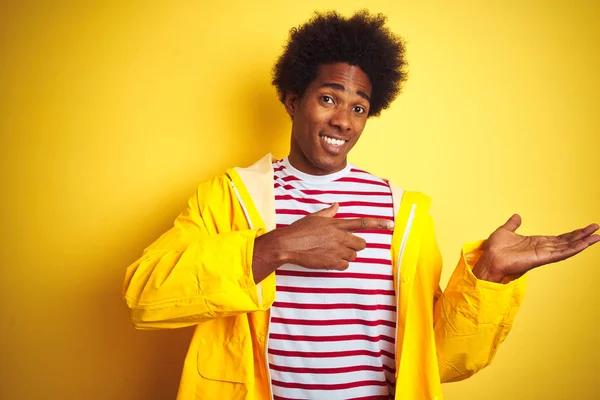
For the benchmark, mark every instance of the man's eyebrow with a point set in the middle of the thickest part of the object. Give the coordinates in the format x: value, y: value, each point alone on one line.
x: 337, y: 86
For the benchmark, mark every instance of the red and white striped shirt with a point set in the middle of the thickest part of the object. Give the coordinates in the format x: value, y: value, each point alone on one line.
x: 332, y: 333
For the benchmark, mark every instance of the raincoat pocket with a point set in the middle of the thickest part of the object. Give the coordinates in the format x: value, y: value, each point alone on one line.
x: 228, y: 361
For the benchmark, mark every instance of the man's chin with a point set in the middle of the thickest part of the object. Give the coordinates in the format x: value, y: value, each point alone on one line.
x: 329, y: 164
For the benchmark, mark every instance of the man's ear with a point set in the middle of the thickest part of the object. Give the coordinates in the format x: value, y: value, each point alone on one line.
x: 291, y: 101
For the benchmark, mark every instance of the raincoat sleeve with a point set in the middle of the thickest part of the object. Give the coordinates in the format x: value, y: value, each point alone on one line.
x: 199, y: 269
x: 472, y: 317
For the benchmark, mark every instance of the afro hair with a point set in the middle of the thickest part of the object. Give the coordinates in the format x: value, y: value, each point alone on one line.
x: 362, y: 40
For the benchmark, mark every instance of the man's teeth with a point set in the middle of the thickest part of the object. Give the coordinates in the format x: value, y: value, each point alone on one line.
x: 337, y: 142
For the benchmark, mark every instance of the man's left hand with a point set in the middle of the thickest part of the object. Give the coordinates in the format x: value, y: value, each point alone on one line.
x: 508, y: 254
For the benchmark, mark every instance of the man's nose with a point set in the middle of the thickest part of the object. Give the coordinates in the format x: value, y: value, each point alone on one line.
x: 341, y: 119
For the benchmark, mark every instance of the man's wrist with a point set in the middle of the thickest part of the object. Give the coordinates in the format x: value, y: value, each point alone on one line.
x: 485, y: 269
x: 269, y: 254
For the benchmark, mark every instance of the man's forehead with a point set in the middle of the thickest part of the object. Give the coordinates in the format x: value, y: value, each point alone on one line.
x: 342, y: 76
x: 340, y: 87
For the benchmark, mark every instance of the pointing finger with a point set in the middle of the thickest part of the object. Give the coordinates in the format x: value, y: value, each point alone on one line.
x: 358, y: 224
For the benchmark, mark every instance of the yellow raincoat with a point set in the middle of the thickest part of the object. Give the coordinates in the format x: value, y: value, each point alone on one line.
x: 200, y: 273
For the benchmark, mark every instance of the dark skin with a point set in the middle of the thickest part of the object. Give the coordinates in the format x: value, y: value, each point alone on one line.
x: 317, y: 241
x: 508, y: 254
x: 335, y: 105
x: 327, y: 122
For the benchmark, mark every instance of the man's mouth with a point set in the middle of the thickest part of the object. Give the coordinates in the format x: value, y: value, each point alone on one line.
x: 333, y: 141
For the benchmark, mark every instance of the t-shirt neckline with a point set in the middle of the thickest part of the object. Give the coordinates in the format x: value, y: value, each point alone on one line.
x: 316, y: 178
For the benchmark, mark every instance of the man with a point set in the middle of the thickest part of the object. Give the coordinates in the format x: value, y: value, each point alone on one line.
x: 308, y: 277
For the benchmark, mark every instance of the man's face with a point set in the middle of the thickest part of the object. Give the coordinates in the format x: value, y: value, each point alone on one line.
x: 329, y: 118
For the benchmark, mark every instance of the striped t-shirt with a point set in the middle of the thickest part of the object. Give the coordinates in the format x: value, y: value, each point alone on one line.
x: 332, y: 333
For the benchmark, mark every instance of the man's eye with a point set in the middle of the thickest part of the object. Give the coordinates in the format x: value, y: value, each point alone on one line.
x: 327, y: 99
x: 359, y: 110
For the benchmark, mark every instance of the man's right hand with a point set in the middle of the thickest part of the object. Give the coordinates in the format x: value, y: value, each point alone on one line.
x: 317, y: 241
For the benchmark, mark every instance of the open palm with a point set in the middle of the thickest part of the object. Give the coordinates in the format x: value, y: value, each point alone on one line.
x: 512, y: 254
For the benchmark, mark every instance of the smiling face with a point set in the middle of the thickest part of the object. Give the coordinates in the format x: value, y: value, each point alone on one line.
x: 329, y: 118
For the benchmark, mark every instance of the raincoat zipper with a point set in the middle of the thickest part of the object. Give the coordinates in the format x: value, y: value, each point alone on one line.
x: 411, y: 217
x: 259, y: 289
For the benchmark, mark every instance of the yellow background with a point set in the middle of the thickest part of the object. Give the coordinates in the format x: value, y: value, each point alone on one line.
x: 110, y: 114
